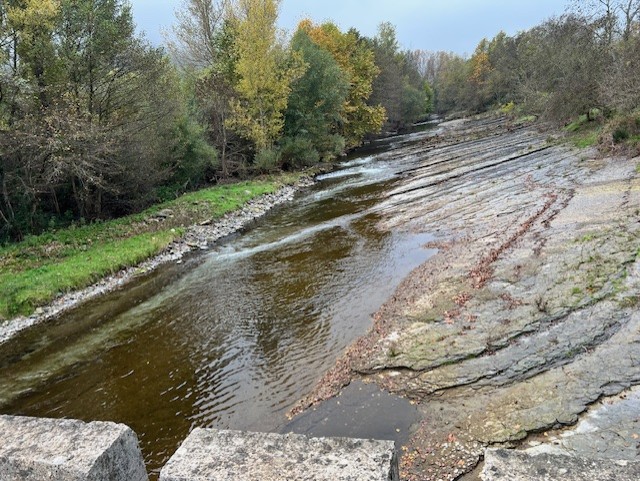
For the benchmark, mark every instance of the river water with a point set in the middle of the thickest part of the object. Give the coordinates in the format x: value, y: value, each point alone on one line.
x: 232, y: 337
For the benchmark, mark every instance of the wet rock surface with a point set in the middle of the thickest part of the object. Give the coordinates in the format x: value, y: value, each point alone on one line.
x: 529, y: 312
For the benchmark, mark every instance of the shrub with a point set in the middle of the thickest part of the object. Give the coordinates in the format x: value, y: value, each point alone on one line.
x: 298, y: 152
x: 620, y: 135
x: 267, y: 161
x: 508, y: 108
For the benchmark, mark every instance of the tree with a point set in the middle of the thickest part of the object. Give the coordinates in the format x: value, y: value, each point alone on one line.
x: 388, y: 87
x: 315, y: 106
x: 631, y: 12
x: 610, y: 19
x: 621, y: 85
x: 95, y: 37
x: 33, y: 22
x: 195, y: 43
x: 563, y: 65
x: 265, y: 72
x: 502, y: 81
x: 452, y: 84
x: 357, y: 60
x: 203, y: 44
x: 89, y: 114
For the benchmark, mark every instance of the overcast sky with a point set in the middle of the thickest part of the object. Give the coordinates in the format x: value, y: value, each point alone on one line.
x: 452, y: 25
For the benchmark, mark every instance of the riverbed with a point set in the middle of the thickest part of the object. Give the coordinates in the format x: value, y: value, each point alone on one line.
x: 232, y: 337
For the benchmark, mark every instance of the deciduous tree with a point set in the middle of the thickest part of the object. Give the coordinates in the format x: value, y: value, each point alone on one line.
x: 356, y: 59
x: 265, y: 71
x: 315, y: 106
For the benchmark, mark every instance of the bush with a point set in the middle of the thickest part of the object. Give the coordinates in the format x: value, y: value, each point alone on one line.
x: 298, y: 152
x: 508, y: 108
x: 331, y: 146
x: 193, y: 160
x: 267, y: 161
x: 622, y: 134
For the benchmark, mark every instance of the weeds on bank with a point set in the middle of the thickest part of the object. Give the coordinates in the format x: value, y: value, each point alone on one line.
x: 585, y: 131
x: 37, y: 270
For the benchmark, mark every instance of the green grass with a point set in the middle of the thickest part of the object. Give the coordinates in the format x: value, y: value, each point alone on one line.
x: 577, y: 124
x: 24, y: 290
x: 586, y: 139
x: 526, y: 119
x: 583, y: 133
x: 37, y: 270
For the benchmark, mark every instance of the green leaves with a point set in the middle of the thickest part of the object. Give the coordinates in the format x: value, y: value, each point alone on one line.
x: 356, y: 59
x: 316, y: 105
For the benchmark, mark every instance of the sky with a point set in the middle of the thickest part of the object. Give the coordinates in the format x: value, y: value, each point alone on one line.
x: 450, y: 25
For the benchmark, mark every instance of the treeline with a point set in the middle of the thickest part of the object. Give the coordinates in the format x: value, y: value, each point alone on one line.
x: 95, y: 122
x: 585, y: 62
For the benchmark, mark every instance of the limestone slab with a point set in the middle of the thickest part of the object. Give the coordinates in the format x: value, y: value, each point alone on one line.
x: 33, y: 449
x: 212, y: 455
x: 510, y: 465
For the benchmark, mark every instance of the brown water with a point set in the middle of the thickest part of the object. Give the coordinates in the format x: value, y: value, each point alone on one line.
x: 233, y: 337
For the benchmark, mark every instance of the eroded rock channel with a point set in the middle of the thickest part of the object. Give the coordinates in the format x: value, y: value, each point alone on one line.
x: 509, y: 265
x: 528, y: 313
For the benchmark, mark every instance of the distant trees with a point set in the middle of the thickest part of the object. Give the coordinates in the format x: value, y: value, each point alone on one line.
x: 315, y: 110
x: 400, y: 87
x: 271, y: 104
x: 567, y: 66
x: 95, y: 122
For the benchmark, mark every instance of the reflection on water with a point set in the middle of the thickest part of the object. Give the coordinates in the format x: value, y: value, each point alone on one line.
x: 232, y: 338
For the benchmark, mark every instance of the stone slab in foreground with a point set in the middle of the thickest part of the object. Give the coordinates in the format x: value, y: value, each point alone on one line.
x: 212, y: 455
x: 509, y: 465
x: 33, y: 449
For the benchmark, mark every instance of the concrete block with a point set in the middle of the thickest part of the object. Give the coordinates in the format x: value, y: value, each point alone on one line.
x: 511, y: 465
x: 212, y: 455
x: 33, y: 449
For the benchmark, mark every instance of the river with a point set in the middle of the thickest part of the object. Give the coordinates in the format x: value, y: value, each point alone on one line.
x: 232, y: 337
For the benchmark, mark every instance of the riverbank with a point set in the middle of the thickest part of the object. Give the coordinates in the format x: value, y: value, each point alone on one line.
x: 53, y: 273
x: 527, y: 314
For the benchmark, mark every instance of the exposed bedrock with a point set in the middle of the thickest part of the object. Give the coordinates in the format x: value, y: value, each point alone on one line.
x: 528, y: 313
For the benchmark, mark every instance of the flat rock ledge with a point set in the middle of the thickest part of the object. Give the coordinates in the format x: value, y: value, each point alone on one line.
x: 64, y: 450
x: 212, y: 455
x: 509, y: 465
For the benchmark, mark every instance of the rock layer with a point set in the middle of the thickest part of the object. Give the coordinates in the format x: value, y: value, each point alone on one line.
x: 528, y: 313
x: 503, y: 465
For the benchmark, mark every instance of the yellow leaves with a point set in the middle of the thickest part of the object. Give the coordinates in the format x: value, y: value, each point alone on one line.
x: 480, y: 63
x: 265, y: 71
x: 480, y: 67
x: 358, y: 62
x: 34, y: 14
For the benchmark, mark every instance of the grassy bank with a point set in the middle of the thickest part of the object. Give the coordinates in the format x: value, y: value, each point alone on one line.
x: 34, y: 272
